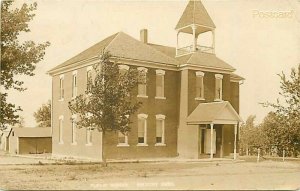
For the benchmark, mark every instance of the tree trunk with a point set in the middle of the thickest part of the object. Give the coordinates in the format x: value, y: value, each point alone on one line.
x: 104, y: 164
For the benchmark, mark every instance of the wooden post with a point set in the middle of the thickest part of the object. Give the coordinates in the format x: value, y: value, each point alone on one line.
x: 235, y: 133
x: 194, y: 38
x: 177, y: 44
x: 213, y: 41
x: 258, y: 153
x: 211, y: 141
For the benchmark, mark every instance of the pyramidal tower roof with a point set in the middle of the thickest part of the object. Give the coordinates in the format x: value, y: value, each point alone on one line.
x: 195, y: 13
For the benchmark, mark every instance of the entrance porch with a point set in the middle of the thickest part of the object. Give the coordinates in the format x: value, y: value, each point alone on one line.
x: 217, y: 125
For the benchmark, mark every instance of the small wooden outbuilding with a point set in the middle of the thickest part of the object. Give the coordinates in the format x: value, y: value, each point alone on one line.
x: 30, y: 140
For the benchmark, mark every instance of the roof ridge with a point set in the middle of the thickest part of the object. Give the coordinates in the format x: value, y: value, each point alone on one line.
x: 65, y: 63
x: 161, y: 45
x: 155, y: 50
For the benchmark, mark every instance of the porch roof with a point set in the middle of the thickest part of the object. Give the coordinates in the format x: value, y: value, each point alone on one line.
x: 214, y: 113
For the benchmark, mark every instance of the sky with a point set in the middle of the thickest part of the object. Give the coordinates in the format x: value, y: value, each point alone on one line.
x: 260, y: 38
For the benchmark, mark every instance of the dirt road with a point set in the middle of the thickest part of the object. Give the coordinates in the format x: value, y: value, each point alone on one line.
x: 165, y: 175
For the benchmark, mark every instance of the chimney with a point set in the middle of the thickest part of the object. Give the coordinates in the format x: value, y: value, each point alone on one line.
x: 144, y: 36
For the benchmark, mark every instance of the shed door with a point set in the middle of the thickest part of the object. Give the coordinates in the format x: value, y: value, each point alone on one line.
x: 35, y: 145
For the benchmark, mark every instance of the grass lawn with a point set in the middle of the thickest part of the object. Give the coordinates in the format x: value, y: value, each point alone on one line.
x: 165, y: 175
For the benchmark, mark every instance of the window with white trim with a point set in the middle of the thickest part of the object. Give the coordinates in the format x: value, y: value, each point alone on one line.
x: 89, y: 80
x: 122, y: 139
x: 142, y: 129
x: 74, y: 142
x: 160, y: 130
x: 74, y: 84
x: 218, y: 85
x: 61, y: 87
x: 89, y: 136
x: 60, y: 129
x: 199, y: 85
x: 142, y: 85
x: 160, y: 84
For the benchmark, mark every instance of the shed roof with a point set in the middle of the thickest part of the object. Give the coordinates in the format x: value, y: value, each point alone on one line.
x: 32, y: 132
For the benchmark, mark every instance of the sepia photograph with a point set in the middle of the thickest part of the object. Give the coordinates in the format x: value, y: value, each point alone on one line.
x: 150, y: 95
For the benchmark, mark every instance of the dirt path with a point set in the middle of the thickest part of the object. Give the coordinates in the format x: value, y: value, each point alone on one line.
x: 264, y: 175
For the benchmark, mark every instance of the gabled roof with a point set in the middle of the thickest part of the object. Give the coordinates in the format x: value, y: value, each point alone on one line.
x: 32, y: 132
x: 195, y: 13
x: 214, y: 112
x: 121, y: 45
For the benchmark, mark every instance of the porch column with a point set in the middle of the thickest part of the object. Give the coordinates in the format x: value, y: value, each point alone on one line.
x: 211, y: 141
x: 235, y: 132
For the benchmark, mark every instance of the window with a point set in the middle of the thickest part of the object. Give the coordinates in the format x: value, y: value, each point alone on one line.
x: 74, y: 84
x: 88, y: 136
x: 74, y: 129
x: 160, y: 130
x: 60, y: 129
x: 218, y: 91
x: 142, y: 86
x: 89, y: 80
x: 142, y: 130
x: 160, y: 94
x: 122, y: 139
x: 199, y: 86
x: 61, y: 87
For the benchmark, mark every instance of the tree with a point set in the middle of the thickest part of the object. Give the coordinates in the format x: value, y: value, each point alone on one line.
x: 288, y: 111
x: 43, y: 115
x: 109, y: 103
x: 275, y: 131
x: 8, y: 110
x: 17, y: 58
x: 21, y: 122
x: 251, y: 135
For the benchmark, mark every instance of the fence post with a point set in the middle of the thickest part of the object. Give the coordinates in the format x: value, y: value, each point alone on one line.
x: 258, y: 153
x: 283, y: 154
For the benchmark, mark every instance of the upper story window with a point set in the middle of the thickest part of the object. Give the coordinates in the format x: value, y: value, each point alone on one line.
x: 218, y: 85
x: 199, y: 85
x: 60, y: 129
x: 74, y: 142
x: 142, y: 130
x: 74, y: 84
x: 89, y: 80
x: 142, y: 86
x: 160, y: 84
x: 160, y: 130
x: 61, y: 87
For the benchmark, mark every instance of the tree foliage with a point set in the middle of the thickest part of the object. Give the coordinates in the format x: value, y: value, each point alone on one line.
x: 43, y: 115
x: 17, y: 58
x: 251, y: 135
x: 110, y: 100
x: 7, y: 112
x: 286, y: 119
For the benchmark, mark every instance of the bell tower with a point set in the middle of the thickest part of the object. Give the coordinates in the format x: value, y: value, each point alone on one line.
x: 195, y: 21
